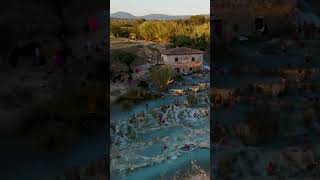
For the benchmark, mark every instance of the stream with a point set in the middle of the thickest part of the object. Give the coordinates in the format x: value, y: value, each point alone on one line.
x: 177, y: 161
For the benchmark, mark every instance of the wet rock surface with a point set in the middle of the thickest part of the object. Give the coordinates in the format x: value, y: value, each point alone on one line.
x: 160, y: 132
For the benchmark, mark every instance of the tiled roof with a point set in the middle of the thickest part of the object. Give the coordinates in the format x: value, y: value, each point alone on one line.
x: 181, y: 51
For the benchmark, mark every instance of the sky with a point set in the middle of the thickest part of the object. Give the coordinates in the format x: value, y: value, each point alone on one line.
x: 169, y: 7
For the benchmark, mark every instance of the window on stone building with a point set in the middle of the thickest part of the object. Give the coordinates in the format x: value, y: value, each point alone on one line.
x: 176, y: 59
x: 193, y: 59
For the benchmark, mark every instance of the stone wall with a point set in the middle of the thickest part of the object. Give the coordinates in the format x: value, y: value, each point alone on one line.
x: 184, y: 61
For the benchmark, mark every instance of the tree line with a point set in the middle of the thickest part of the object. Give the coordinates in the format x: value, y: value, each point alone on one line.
x: 193, y: 32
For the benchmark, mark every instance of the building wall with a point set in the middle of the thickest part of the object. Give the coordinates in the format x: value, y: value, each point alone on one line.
x: 184, y: 62
x: 276, y: 14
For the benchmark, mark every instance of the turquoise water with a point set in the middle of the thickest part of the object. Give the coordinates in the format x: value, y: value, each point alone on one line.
x: 168, y: 169
x: 178, y: 160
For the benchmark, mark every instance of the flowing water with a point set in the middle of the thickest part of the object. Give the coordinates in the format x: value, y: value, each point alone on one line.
x: 145, y: 156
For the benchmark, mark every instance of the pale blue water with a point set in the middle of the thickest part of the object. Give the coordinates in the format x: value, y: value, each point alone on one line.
x: 118, y: 113
x: 169, y: 168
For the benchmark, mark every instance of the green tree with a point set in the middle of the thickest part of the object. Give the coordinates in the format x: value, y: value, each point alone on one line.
x: 125, y: 58
x: 201, y: 43
x: 115, y: 30
x: 182, y: 41
x: 161, y: 76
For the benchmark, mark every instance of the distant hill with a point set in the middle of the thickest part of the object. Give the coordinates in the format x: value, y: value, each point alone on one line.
x: 125, y: 15
x: 122, y: 15
x: 162, y: 17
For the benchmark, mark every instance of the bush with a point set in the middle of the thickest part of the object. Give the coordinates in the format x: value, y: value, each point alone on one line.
x: 134, y: 96
x: 125, y: 58
x: 161, y: 76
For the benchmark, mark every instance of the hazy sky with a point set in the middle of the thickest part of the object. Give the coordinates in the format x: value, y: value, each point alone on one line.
x: 170, y: 7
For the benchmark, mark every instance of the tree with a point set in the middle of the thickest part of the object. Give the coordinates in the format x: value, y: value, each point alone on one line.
x: 125, y: 58
x: 201, y: 43
x: 182, y: 41
x: 161, y: 77
x: 115, y: 30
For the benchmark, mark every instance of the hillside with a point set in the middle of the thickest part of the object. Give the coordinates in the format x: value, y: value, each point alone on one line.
x: 125, y: 15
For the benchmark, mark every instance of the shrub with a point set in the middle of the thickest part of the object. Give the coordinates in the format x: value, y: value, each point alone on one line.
x: 161, y: 76
x: 125, y: 58
x: 134, y: 96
